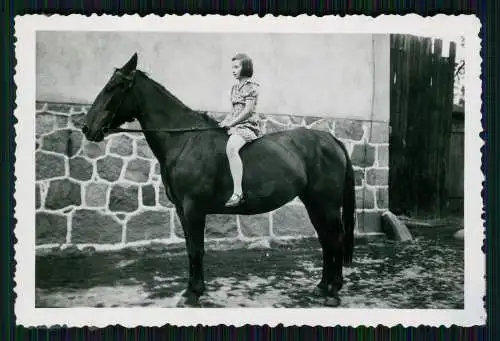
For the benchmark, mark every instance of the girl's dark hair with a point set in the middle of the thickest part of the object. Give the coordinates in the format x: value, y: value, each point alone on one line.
x: 246, y: 64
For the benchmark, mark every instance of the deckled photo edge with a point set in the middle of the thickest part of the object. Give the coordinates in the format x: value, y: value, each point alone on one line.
x: 25, y: 31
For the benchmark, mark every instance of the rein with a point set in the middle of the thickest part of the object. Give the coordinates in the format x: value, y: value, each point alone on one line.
x: 173, y: 130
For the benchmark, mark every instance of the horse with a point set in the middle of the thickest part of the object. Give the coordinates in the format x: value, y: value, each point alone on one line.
x: 191, y: 150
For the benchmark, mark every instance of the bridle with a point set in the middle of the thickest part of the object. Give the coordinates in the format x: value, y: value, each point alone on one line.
x: 131, y: 79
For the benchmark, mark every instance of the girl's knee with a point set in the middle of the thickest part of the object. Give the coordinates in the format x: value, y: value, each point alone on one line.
x: 234, y: 145
x: 232, y: 150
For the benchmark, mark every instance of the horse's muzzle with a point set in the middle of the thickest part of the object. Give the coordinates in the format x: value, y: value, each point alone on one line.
x: 98, y: 136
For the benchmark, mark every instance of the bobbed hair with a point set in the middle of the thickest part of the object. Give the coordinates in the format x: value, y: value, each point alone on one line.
x: 246, y: 64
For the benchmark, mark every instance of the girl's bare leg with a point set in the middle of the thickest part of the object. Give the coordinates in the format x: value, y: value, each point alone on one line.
x: 234, y: 144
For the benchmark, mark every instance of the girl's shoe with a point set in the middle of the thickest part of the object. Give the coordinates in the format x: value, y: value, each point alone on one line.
x: 235, y: 200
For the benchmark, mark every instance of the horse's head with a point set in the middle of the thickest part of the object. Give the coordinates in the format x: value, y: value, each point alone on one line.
x: 114, y: 105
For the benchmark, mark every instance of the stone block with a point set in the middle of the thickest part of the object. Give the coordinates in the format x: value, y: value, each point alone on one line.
x: 45, y: 123
x: 78, y: 120
x: 383, y: 197
x: 148, y: 225
x: 383, y: 155
x: 148, y: 195
x: 280, y: 119
x: 272, y: 127
x: 96, y: 194
x: 38, y: 197
x: 92, y: 226
x: 109, y: 168
x: 349, y: 129
x: 63, y: 193
x: 311, y: 119
x: 121, y: 145
x: 221, y: 226
x: 365, y: 198
x: 144, y: 150
x: 217, y: 226
x: 377, y: 176
x: 363, y: 155
x: 80, y: 169
x: 50, y: 228
x: 255, y: 225
x: 39, y: 105
x: 162, y: 197
x: 59, y: 107
x: 157, y: 168
x: 64, y: 141
x: 133, y: 125
x: 61, y: 121
x: 380, y: 132
x: 179, y: 232
x: 292, y: 220
x: 369, y: 222
x: 359, y: 176
x: 49, y: 166
x: 138, y: 170
x: 123, y: 198
x: 94, y: 150
x: 297, y: 120
x: 81, y: 108
x: 323, y: 124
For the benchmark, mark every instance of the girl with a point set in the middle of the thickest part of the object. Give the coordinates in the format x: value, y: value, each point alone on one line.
x: 242, y: 122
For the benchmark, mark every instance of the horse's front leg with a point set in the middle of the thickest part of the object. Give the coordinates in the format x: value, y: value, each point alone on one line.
x: 193, y: 224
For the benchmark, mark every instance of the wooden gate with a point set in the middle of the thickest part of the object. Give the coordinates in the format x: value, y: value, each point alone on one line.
x: 420, y: 119
x: 455, y: 174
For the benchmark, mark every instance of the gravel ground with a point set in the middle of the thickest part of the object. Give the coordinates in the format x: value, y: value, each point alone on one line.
x: 426, y: 273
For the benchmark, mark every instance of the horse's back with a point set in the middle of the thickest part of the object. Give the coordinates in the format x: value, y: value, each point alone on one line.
x: 323, y: 157
x: 276, y: 167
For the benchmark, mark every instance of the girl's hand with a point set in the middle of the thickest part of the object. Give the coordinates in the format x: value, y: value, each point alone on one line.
x: 224, y: 124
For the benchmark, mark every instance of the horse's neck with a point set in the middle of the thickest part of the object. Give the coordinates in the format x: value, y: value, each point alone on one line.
x: 161, y: 111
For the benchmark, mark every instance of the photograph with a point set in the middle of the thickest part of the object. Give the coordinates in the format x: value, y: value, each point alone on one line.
x: 194, y: 169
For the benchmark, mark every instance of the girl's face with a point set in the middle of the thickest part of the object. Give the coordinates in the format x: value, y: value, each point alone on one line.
x: 236, y: 68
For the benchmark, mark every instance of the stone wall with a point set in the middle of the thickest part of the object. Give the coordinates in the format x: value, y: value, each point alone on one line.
x: 111, y: 192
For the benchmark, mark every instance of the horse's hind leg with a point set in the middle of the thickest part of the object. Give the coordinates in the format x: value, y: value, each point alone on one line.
x: 328, y: 225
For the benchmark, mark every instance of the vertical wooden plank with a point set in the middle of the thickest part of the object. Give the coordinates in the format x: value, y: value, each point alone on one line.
x: 448, y: 68
x: 399, y: 103
x: 421, y: 109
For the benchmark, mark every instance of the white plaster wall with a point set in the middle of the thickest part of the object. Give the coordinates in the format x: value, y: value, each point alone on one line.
x: 345, y: 75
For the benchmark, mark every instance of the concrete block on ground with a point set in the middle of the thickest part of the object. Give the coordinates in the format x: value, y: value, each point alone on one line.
x: 395, y: 228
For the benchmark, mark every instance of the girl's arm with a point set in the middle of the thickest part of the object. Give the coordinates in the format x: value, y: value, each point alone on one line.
x: 245, y: 113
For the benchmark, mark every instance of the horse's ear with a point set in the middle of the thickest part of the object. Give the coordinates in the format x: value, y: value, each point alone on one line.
x: 131, y: 65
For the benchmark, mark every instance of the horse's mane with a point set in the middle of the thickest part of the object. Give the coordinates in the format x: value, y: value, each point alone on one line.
x: 186, y: 110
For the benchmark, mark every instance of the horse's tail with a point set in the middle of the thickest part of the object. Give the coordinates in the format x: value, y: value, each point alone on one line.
x: 348, y: 208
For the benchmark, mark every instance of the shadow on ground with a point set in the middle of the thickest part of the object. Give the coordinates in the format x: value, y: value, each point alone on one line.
x: 426, y: 273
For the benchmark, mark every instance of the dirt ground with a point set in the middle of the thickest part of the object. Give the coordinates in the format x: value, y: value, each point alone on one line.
x: 425, y: 273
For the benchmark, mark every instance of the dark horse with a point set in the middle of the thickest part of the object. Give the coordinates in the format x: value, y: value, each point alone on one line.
x: 191, y: 150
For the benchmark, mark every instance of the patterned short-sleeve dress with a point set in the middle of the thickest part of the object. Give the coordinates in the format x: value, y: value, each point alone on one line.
x: 250, y: 128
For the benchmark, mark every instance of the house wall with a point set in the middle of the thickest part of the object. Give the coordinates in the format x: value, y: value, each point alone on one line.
x: 111, y: 192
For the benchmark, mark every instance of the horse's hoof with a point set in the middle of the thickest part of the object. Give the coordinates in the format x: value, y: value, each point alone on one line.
x: 332, y: 302
x: 188, y: 299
